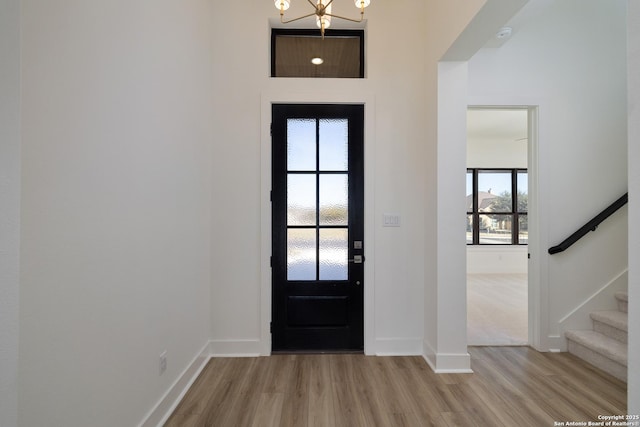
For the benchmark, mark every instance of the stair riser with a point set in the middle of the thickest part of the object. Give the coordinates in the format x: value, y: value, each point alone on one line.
x: 610, y: 331
x: 623, y: 306
x: 598, y: 360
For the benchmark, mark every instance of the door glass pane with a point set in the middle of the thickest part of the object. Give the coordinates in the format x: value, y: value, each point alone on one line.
x: 523, y: 223
x: 334, y: 199
x: 301, y: 144
x: 301, y: 254
x: 334, y: 147
x: 469, y: 229
x: 334, y: 254
x: 494, y: 191
x: 495, y: 229
x: 301, y: 199
x: 523, y: 192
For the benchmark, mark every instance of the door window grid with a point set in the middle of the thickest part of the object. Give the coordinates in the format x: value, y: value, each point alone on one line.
x: 317, y: 199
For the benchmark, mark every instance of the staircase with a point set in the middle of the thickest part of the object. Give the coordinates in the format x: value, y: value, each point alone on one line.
x: 606, y: 345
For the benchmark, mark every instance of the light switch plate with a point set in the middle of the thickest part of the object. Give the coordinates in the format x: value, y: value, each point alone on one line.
x: 390, y: 220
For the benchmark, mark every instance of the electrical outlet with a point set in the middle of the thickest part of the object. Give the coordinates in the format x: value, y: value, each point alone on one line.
x: 163, y: 362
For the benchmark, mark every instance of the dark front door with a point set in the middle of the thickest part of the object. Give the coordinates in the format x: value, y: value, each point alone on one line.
x: 318, y: 232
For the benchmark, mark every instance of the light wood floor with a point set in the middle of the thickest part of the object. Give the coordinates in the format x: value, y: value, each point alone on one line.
x: 510, y: 386
x: 497, y: 309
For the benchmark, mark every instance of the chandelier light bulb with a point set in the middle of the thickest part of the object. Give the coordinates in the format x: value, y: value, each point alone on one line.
x: 326, y: 20
x: 323, y: 19
x: 282, y: 4
x: 361, y: 4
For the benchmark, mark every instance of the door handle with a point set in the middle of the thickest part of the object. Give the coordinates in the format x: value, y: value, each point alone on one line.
x: 357, y: 259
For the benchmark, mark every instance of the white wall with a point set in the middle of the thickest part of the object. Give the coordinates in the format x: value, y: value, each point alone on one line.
x: 571, y: 61
x: 116, y: 109
x: 9, y: 208
x: 498, y: 259
x: 493, y: 153
x: 633, y: 26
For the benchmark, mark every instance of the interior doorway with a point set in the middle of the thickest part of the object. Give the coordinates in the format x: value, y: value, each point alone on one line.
x: 497, y: 225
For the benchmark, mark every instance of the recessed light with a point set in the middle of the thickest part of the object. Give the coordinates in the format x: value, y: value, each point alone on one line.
x: 317, y: 61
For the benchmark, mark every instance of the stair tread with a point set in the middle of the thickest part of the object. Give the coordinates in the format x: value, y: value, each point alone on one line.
x: 615, y: 318
x: 622, y: 296
x: 608, y: 347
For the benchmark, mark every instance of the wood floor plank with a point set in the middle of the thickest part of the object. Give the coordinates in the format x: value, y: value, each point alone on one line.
x: 584, y: 374
x: 390, y: 393
x: 279, y: 369
x: 269, y: 410
x: 528, y: 385
x: 295, y: 410
x: 510, y: 386
x: 346, y: 401
x: 198, y: 396
x: 242, y: 412
x: 560, y: 409
x: 457, y: 419
x: 321, y: 410
x: 373, y: 400
x: 486, y: 412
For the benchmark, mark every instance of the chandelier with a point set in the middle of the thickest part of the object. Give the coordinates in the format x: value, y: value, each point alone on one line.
x: 322, y: 12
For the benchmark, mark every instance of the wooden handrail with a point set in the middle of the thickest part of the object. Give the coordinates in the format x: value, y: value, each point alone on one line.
x: 591, y: 225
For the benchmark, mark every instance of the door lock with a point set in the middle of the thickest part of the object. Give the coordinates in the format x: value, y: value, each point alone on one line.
x: 357, y: 259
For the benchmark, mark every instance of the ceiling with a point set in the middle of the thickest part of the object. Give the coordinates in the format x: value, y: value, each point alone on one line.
x: 497, y: 124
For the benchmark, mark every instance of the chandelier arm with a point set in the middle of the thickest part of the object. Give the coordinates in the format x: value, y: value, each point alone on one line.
x: 282, y: 21
x: 327, y: 5
x: 313, y: 4
x: 345, y: 18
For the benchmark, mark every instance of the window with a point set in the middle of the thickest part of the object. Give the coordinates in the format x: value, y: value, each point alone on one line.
x: 339, y: 55
x: 497, y: 207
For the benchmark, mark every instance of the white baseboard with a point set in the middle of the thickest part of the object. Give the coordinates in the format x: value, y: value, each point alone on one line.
x: 163, y: 409
x: 235, y: 348
x: 398, y: 347
x: 447, y: 363
x: 557, y: 343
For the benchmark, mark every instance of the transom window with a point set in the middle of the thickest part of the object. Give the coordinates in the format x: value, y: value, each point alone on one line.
x: 304, y: 53
x: 497, y: 202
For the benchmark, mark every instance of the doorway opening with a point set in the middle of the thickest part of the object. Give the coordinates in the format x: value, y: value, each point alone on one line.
x: 497, y: 225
